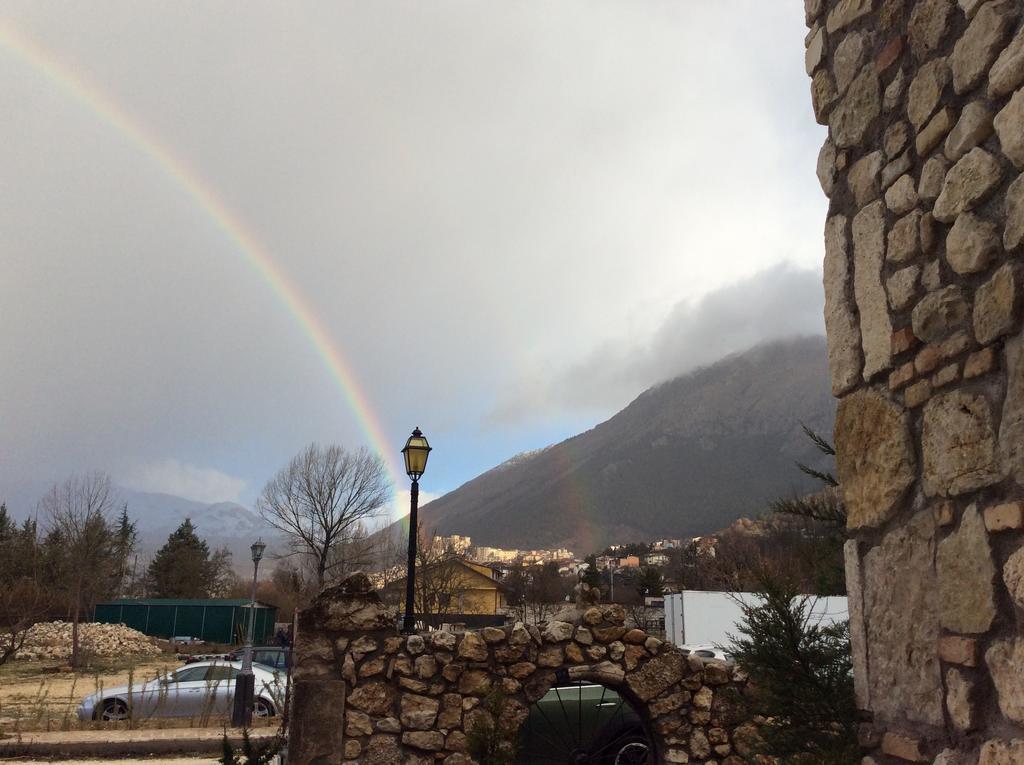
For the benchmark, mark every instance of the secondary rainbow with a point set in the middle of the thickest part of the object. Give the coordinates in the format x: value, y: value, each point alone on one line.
x: 246, y: 244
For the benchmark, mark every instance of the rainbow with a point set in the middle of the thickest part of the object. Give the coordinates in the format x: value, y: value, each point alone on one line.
x: 234, y: 229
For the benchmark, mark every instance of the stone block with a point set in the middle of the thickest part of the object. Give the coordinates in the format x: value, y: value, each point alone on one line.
x: 917, y: 394
x: 826, y: 167
x: 316, y: 733
x: 956, y: 649
x: 997, y: 303
x: 903, y: 340
x: 928, y: 237
x: 981, y: 42
x: 815, y: 50
x: 925, y: 91
x: 979, y: 363
x: 901, y: 197
x: 1013, y: 576
x: 1011, y: 427
x: 418, y: 712
x: 902, y: 287
x: 893, y: 94
x: 967, y: 184
x: 973, y: 127
x: 1013, y: 234
x: 972, y: 244
x: 1007, y: 73
x: 1005, y: 516
x: 657, y: 675
x: 855, y: 112
x: 1004, y: 660
x: 954, y: 345
x: 904, y: 747
x: 934, y: 131
x: 927, y: 359
x: 858, y: 637
x: 1001, y: 752
x: 847, y: 59
x: 931, y: 276
x: 958, y: 445
x: 1009, y: 126
x: 932, y: 175
x: 966, y: 574
x: 948, y: 375
x: 901, y: 376
x: 904, y: 238
x: 894, y: 171
x: 895, y: 138
x: 960, y: 700
x: 872, y: 303
x: 889, y: 54
x: 863, y: 178
x: 929, y: 23
x: 944, y: 514
x: 823, y: 95
x: 875, y: 457
x: 845, y: 12
x: 939, y: 313
x: 473, y: 647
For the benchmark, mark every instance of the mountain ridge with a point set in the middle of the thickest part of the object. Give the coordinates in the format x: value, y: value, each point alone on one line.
x: 685, y: 457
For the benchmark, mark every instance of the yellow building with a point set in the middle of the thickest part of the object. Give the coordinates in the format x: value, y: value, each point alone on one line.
x: 453, y: 586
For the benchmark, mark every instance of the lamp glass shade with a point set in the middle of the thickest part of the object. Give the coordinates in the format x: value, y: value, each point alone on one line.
x: 415, y: 453
x: 257, y: 550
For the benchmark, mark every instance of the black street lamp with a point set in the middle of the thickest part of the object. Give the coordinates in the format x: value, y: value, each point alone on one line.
x: 245, y: 683
x: 415, y: 453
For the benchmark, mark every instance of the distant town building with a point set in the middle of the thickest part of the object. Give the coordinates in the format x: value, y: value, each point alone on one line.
x: 458, y: 544
x: 493, y: 554
x: 667, y: 544
x: 630, y: 561
x: 655, y: 559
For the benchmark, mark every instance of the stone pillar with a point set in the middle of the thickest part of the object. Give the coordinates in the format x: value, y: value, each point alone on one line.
x: 924, y: 105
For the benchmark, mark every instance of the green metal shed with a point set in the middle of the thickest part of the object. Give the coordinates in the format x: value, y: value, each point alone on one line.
x: 215, y: 621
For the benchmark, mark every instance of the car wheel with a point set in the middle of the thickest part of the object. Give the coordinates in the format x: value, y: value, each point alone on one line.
x: 114, y: 710
x: 633, y: 751
x: 262, y: 708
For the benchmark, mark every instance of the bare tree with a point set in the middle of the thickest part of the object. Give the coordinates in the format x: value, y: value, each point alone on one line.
x: 320, y: 498
x: 22, y: 603
x: 79, y: 513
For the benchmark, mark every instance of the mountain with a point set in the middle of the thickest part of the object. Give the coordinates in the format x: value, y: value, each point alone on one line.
x: 222, y: 524
x: 685, y: 458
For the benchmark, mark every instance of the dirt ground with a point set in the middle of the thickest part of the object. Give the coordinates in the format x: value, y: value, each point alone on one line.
x: 35, y: 695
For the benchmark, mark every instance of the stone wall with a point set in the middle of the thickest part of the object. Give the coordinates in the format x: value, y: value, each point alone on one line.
x: 923, y: 281
x: 364, y: 694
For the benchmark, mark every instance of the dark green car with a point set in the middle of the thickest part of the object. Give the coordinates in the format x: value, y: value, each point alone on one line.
x: 579, y: 723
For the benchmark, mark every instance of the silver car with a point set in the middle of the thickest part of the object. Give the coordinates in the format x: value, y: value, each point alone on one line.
x: 203, y: 689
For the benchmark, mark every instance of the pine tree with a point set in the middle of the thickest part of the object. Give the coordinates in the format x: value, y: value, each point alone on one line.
x: 182, y: 567
x: 649, y: 584
x: 801, y: 677
x: 125, y: 542
x: 590, y: 575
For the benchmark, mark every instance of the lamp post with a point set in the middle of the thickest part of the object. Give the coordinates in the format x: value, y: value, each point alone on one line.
x: 245, y: 683
x: 415, y: 453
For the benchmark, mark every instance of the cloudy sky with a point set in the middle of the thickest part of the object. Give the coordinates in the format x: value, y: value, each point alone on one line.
x: 508, y: 219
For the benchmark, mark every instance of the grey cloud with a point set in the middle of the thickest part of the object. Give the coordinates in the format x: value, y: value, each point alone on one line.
x: 780, y: 302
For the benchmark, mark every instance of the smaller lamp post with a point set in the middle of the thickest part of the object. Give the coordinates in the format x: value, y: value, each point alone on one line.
x: 415, y: 453
x: 245, y: 683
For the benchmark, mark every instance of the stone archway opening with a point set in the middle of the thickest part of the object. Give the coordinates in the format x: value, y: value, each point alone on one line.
x: 583, y: 721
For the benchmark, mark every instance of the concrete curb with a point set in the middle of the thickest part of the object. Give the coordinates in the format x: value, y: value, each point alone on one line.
x: 112, y: 743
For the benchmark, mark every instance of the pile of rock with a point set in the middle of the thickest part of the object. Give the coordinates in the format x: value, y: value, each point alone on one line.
x: 52, y: 640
